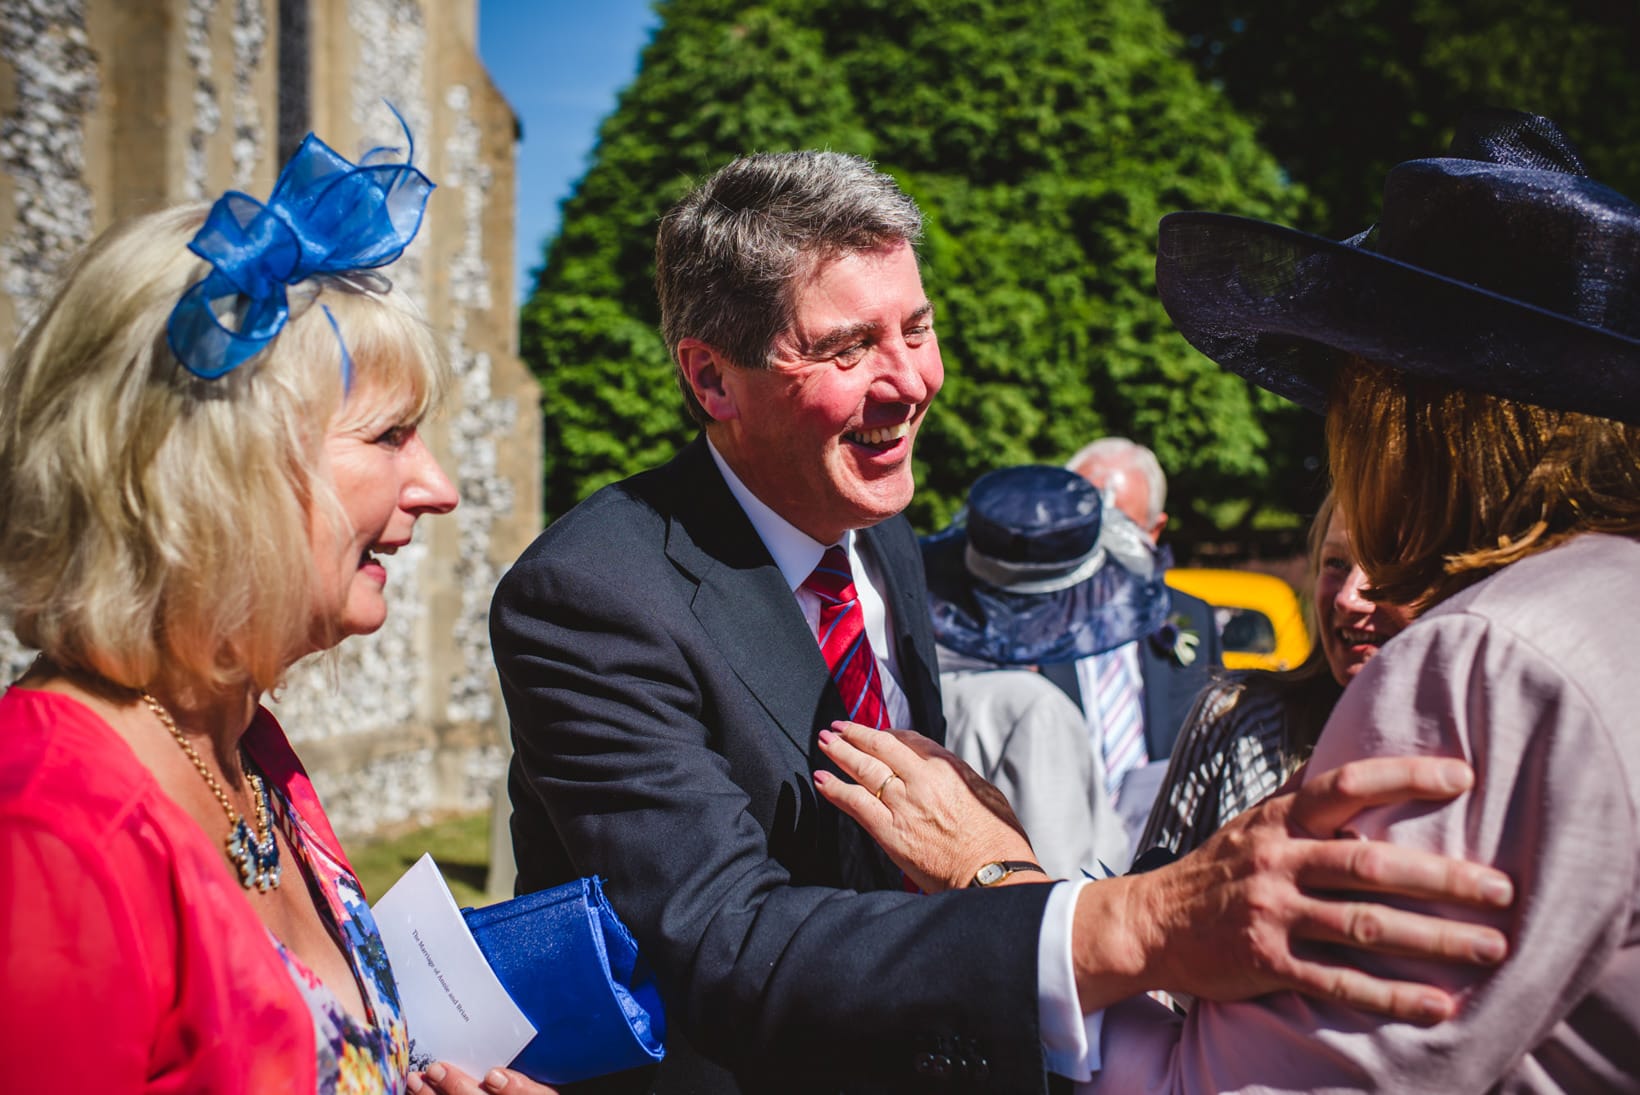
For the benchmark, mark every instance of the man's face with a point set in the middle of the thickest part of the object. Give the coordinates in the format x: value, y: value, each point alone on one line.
x: 1127, y: 491
x: 824, y: 436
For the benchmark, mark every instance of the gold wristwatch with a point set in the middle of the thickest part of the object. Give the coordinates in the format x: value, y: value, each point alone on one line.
x: 998, y: 869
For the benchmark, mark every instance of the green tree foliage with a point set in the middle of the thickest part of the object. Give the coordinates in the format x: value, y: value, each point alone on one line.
x: 1342, y: 90
x: 1043, y: 142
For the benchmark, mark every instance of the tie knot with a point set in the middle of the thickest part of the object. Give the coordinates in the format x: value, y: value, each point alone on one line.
x: 832, y: 579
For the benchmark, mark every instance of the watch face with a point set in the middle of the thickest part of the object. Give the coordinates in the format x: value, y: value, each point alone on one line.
x: 991, y: 872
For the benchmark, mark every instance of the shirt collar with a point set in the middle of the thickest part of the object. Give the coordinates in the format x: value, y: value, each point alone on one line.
x: 795, y: 552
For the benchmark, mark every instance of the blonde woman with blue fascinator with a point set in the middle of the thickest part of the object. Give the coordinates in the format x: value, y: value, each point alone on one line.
x: 208, y: 441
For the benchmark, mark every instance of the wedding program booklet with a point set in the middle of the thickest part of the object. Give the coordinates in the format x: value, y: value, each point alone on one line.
x: 453, y: 1004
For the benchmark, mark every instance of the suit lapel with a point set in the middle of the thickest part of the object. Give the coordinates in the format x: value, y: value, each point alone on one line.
x: 745, y: 605
x: 1063, y: 674
x: 743, y: 602
x: 1157, y: 676
x: 899, y: 560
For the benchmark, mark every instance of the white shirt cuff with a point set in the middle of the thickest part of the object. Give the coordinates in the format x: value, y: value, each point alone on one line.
x: 1070, y: 1040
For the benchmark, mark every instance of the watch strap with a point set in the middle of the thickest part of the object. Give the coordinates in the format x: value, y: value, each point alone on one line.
x: 995, y: 871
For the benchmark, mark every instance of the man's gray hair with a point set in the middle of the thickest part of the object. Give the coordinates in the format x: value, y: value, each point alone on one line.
x: 728, y: 255
x: 1122, y: 452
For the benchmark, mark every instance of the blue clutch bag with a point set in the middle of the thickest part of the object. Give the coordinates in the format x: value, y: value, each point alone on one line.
x: 571, y: 966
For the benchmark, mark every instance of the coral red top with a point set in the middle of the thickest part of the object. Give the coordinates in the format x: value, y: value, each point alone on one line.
x: 130, y: 958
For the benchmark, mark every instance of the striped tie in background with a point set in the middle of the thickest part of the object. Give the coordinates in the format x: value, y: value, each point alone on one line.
x: 1122, y: 722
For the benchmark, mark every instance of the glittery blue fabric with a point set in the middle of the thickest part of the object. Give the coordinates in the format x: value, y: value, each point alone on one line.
x: 325, y: 216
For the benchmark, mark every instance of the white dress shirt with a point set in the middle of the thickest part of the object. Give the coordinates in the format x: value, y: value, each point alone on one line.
x: 797, y: 553
x: 1070, y: 1040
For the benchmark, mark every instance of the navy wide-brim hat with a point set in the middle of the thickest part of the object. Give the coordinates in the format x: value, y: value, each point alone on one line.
x: 1023, y: 577
x: 1501, y: 268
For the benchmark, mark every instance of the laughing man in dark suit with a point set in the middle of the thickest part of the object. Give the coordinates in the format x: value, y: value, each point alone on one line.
x: 671, y: 647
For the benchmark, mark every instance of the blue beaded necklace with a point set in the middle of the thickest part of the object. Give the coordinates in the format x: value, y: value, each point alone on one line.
x: 254, y: 855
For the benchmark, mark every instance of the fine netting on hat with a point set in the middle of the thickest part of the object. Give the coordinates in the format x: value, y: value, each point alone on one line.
x: 1022, y: 577
x: 1520, y: 278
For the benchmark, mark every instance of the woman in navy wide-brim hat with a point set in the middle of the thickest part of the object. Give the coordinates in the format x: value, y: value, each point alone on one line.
x: 1477, y: 355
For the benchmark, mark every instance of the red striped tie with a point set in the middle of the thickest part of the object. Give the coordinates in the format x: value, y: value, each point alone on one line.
x: 843, y: 641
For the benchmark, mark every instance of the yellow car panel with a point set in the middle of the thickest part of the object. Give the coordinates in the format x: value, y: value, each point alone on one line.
x: 1261, y: 622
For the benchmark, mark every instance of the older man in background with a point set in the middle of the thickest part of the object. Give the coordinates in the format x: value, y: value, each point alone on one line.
x: 1136, y: 697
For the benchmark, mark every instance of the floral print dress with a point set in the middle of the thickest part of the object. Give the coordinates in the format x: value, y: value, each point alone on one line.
x: 354, y: 1058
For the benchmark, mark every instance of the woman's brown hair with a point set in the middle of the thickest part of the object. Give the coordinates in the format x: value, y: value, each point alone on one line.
x: 1442, y: 486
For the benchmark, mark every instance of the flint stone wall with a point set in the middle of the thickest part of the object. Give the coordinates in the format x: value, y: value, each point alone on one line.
x: 111, y: 108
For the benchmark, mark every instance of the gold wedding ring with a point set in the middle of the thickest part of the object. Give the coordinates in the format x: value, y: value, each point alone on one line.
x: 883, y: 786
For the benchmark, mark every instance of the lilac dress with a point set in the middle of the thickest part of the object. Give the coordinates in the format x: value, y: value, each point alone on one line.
x: 1530, y: 676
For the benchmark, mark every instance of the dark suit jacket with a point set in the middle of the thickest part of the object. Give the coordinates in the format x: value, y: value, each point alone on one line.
x: 1170, y: 688
x: 665, y: 693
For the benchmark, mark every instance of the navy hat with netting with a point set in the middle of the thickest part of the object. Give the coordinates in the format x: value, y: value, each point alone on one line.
x: 1026, y: 575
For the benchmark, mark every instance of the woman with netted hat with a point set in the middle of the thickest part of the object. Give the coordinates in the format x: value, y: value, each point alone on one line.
x: 1477, y: 355
x: 208, y: 444
x: 1037, y: 570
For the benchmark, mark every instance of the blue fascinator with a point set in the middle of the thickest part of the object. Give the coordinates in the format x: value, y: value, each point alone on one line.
x: 1037, y: 572
x: 325, y: 216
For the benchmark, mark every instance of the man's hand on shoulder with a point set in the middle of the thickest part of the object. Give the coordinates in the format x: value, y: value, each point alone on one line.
x: 1253, y: 910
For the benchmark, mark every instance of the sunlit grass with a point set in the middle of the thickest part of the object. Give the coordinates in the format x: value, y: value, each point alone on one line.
x: 460, y: 845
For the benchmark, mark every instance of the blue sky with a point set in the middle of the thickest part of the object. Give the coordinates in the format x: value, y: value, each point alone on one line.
x: 560, y: 63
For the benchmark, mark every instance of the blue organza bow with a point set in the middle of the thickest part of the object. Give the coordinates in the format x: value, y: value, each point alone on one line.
x: 325, y: 216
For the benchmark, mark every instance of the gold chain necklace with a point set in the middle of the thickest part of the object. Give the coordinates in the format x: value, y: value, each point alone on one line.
x: 256, y: 856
